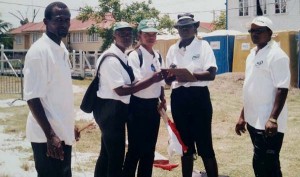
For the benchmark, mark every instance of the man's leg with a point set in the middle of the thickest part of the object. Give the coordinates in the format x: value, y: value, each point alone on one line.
x: 50, y: 167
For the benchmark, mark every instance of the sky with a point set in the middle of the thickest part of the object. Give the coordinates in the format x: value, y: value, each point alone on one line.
x: 202, y: 9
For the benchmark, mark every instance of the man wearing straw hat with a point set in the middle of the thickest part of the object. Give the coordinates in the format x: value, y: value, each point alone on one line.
x: 267, y: 79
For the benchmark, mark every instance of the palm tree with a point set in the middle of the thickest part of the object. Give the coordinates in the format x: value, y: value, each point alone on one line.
x: 5, y: 39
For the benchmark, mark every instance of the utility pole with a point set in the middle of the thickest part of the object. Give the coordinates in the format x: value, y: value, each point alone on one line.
x: 226, y: 14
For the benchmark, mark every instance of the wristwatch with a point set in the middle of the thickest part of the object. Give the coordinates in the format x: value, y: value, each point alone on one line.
x: 271, y: 119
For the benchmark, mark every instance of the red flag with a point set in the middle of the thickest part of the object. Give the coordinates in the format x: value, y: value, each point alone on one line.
x: 176, y: 144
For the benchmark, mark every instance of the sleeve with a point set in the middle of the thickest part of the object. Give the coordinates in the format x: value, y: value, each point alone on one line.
x: 111, y: 70
x: 35, y: 76
x: 169, y: 57
x: 134, y: 62
x: 280, y: 72
x: 209, y: 57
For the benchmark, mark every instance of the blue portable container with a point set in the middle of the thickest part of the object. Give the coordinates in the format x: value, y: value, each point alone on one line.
x: 223, y: 49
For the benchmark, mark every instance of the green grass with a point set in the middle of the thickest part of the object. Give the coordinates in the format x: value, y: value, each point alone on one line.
x: 233, y: 153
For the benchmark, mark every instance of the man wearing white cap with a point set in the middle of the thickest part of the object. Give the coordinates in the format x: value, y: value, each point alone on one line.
x: 267, y: 79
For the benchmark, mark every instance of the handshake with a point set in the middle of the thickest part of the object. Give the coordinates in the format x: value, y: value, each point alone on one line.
x: 164, y: 74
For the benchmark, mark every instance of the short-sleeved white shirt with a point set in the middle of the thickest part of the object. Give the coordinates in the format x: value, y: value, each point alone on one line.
x: 265, y: 72
x: 113, y: 75
x: 47, y: 76
x: 196, y: 57
x: 150, y: 65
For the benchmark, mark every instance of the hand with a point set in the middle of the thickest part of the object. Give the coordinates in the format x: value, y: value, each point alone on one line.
x: 240, y: 126
x: 162, y: 104
x: 55, y: 148
x: 157, y: 76
x: 271, y: 128
x: 77, y: 133
x: 168, y: 76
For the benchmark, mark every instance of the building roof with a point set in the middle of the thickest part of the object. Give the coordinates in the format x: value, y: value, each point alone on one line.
x: 206, y: 25
x: 76, y: 25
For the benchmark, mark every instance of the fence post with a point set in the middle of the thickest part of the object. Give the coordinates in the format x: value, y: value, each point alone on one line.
x: 81, y: 63
x: 73, y: 60
x: 2, y: 59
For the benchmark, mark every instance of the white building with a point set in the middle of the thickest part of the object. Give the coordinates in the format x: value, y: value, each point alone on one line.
x: 285, y: 14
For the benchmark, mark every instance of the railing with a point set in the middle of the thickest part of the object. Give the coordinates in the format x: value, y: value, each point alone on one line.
x: 11, y: 66
x: 11, y: 76
x: 83, y: 63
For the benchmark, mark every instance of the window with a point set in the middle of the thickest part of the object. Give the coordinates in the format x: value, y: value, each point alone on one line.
x: 19, y: 39
x: 93, y: 37
x: 280, y: 6
x: 35, y: 37
x: 243, y: 8
x: 261, y: 7
x: 77, y: 37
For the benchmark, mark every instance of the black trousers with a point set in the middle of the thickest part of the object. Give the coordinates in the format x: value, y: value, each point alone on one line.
x: 111, y: 118
x: 266, y: 153
x: 50, y: 167
x: 192, y: 113
x: 143, y: 126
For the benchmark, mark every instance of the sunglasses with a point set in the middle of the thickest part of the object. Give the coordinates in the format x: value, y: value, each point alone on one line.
x: 258, y: 30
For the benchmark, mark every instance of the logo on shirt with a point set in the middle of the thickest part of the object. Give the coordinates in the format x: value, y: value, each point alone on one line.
x: 196, y: 57
x: 153, y: 68
x: 259, y: 63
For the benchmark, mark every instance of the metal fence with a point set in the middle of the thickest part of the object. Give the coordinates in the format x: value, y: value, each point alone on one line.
x: 11, y: 76
x: 12, y: 61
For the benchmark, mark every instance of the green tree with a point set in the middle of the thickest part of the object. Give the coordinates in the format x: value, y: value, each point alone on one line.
x: 165, y: 22
x: 220, y: 23
x: 5, y: 39
x: 132, y: 13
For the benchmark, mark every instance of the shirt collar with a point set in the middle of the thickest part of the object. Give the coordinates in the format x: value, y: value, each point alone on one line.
x: 52, y: 43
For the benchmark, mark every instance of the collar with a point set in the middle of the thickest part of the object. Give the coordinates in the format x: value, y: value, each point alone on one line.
x: 52, y: 43
x: 188, y: 46
x: 119, y: 53
x: 269, y: 44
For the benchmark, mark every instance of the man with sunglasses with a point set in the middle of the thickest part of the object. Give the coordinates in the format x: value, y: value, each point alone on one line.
x: 267, y: 79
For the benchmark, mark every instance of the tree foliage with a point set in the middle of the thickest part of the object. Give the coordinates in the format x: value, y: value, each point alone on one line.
x: 132, y: 13
x: 5, y: 39
x: 220, y: 23
x: 165, y: 22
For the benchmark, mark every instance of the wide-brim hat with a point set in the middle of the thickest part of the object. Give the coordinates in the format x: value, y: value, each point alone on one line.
x: 186, y: 20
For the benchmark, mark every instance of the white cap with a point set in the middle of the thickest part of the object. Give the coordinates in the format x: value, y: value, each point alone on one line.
x: 263, y: 21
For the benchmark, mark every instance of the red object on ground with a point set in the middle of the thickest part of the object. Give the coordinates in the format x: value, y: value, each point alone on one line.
x: 166, y: 166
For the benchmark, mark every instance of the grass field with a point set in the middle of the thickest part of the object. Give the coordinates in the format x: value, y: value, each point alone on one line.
x: 233, y: 153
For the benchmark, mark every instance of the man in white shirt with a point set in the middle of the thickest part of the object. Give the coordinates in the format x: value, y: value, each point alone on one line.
x: 267, y: 79
x: 190, y: 101
x: 48, y: 91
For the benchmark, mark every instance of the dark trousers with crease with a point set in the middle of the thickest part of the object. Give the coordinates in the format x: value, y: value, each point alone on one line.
x: 50, y: 167
x: 266, y: 153
x: 111, y: 118
x: 143, y: 126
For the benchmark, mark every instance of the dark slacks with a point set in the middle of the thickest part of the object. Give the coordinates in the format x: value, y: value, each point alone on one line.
x: 111, y: 118
x: 266, y: 153
x: 192, y: 113
x: 143, y: 126
x: 50, y: 167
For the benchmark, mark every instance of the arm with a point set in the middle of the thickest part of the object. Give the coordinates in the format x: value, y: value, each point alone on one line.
x: 240, y: 126
x: 271, y: 126
x: 207, y: 75
x: 54, y: 146
x: 162, y: 99
x: 140, y: 85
